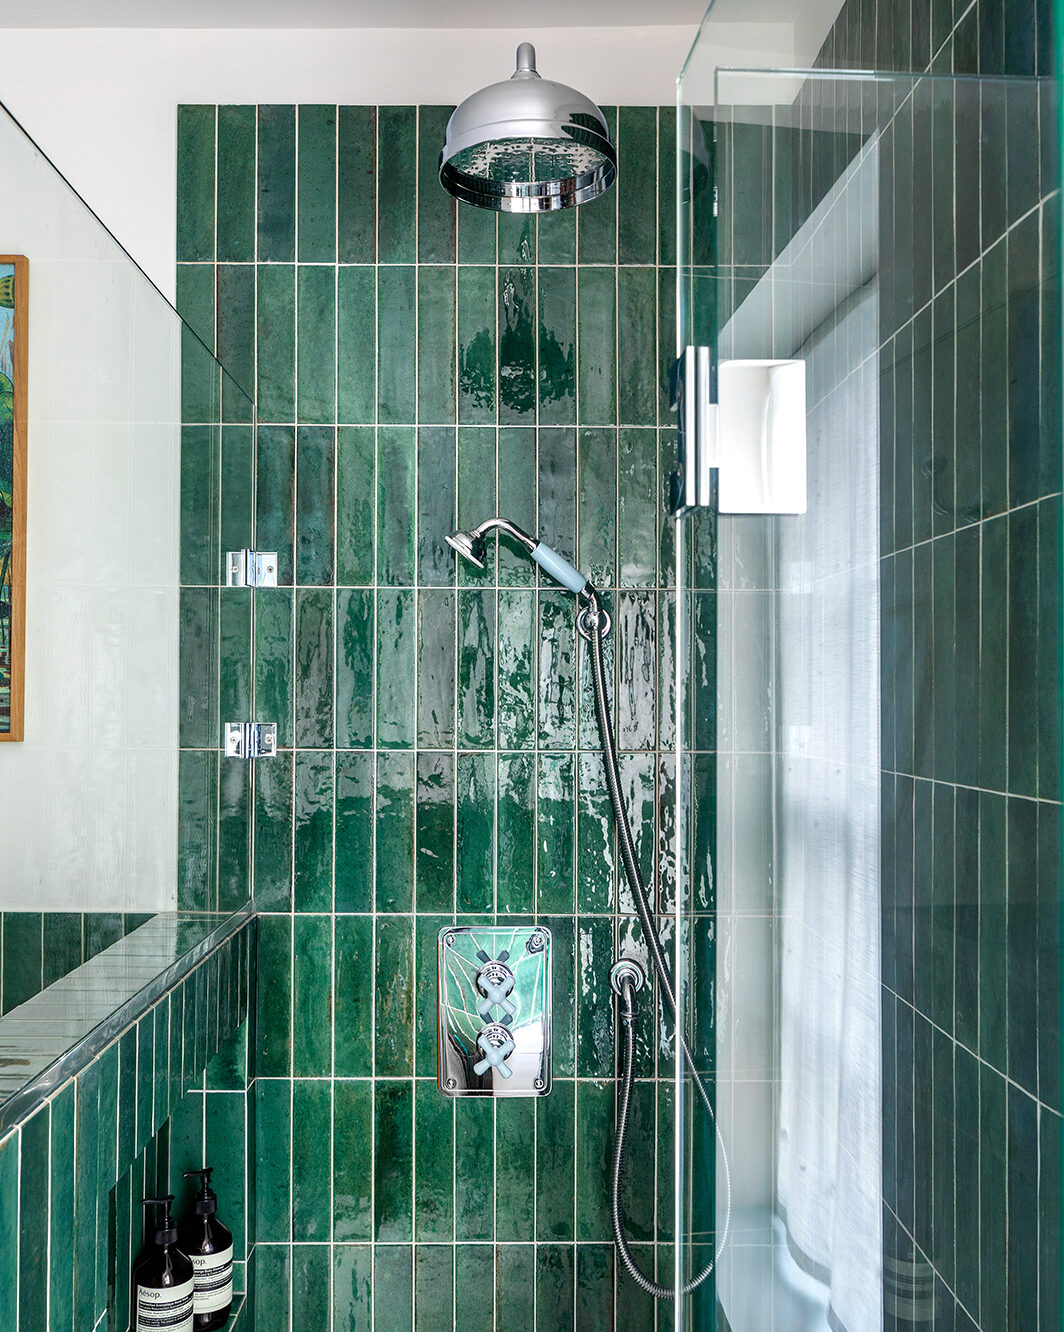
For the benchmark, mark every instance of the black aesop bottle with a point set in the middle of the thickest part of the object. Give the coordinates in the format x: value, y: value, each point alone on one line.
x: 210, y: 1246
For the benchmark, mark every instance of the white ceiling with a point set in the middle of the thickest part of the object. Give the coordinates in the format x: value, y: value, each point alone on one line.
x: 355, y: 13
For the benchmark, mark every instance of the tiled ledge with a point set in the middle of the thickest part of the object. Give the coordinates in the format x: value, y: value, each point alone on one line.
x: 53, y: 1035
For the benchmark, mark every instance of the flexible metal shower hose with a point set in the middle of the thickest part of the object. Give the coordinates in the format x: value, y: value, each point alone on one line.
x: 597, y: 626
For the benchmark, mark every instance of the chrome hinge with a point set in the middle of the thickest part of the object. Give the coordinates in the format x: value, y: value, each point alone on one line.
x: 251, y: 568
x: 696, y: 424
x: 248, y: 740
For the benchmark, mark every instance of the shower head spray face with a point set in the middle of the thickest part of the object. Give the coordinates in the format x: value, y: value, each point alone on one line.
x: 470, y: 547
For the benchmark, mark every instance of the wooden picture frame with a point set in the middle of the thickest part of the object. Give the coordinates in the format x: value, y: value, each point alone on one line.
x: 14, y: 351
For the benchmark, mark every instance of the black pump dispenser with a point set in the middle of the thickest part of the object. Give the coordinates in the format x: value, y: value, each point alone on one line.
x: 163, y: 1284
x: 209, y: 1244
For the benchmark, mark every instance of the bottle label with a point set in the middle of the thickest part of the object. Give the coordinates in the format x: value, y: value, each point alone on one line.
x: 214, y: 1280
x: 169, y: 1308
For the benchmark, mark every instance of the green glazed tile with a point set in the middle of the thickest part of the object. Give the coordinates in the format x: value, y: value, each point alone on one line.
x: 352, y: 1287
x: 476, y: 496
x: 474, y: 1274
x: 276, y: 184
x: 33, y: 1223
x: 636, y: 187
x: 316, y: 184
x: 227, y: 1071
x: 197, y: 830
x: 477, y: 235
x: 436, y: 669
x: 275, y: 462
x: 426, y: 986
x: 597, y: 363
x: 394, y: 979
x: 312, y: 983
x: 61, y: 1238
x: 597, y: 511
x: 594, y: 1009
x: 558, y: 480
x: 393, y: 1288
x: 594, y: 1285
x: 475, y: 848
x: 226, y: 1152
x: 9, y: 1215
x: 237, y: 477
x: 636, y: 346
x: 273, y: 1015
x: 564, y: 1033
x: 476, y: 669
x: 273, y: 1167
x: 354, y: 669
x: 145, y: 1087
x: 515, y: 1170
x: 594, y: 1150
x: 273, y: 1283
x: 596, y: 223
x: 555, y: 801
x: 517, y: 485
x: 235, y: 651
x: 275, y: 342
x: 314, y: 662
x: 555, y: 1284
x: 274, y: 798
x: 555, y: 1161
x: 108, y: 1163
x: 516, y: 832
x: 436, y: 466
x: 396, y: 480
x: 316, y: 346
x: 357, y: 185
x: 23, y: 957
x: 195, y: 183
x: 556, y: 240
x: 195, y: 303
x: 200, y: 378
x: 557, y: 345
x: 198, y: 627
x: 394, y: 864
x: 353, y: 1162
x: 314, y: 808
x: 354, y: 832
x: 236, y: 184
x: 516, y: 299
x: 396, y: 346
x: 434, y: 1286
x: 476, y: 360
x: 127, y: 1092
x: 517, y: 238
x: 355, y: 507
x: 474, y: 1169
x: 436, y: 334
x: 435, y: 831
x: 557, y: 671
x: 356, y: 332
x: 311, y: 1160
x: 85, y: 1196
x: 516, y: 657
x: 393, y: 1161
x: 637, y: 508
x: 666, y: 336
x: 316, y: 477
x: 515, y: 1277
x: 434, y: 1134
x: 397, y: 186
x: 638, y: 1189
x: 311, y: 1296
x: 666, y: 185
x: 396, y: 649
x: 594, y: 836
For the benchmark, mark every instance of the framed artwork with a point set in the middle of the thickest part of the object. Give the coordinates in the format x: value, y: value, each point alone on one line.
x: 14, y: 301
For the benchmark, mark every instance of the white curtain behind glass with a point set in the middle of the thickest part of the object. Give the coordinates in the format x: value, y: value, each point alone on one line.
x: 827, y: 791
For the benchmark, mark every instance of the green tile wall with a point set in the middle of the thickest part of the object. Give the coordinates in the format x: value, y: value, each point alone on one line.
x: 38, y: 948
x: 168, y: 1091
x: 415, y: 363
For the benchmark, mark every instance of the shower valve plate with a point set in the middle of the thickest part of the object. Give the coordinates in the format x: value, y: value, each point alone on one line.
x: 495, y: 982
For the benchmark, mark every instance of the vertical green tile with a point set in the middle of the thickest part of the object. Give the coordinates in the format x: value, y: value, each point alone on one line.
x: 393, y: 1288
x: 356, y: 343
x: 23, y: 957
x: 436, y: 668
x: 517, y: 238
x: 226, y: 1152
x: 636, y: 188
x: 195, y: 183
x: 198, y: 627
x: 273, y: 1166
x: 236, y: 184
x: 396, y: 648
x: 637, y: 507
x: 311, y: 1160
x: 597, y: 366
x: 353, y: 1160
x: 396, y: 479
x: 61, y: 1237
x: 276, y: 184
x: 355, y: 506
x: 594, y: 1149
x: 312, y: 948
x: 107, y: 1161
x: 316, y: 186
x: 515, y: 1277
x: 275, y: 342
x: 516, y: 833
x: 667, y: 185
x: 314, y: 810
x: 474, y: 1276
x: 557, y: 345
x: 474, y: 1169
x: 396, y: 344
x: 9, y: 1215
x: 597, y: 512
x: 85, y: 1194
x: 515, y: 1170
x: 33, y: 1224
x: 595, y: 854
x: 516, y: 649
x: 433, y: 1285
x: 476, y: 345
x: 195, y: 304
x: 426, y: 986
x: 594, y: 1286
x: 436, y: 335
x: 636, y: 346
x: 475, y: 849
x: 275, y: 464
x: 477, y: 230
x: 197, y: 832
x: 555, y: 794
x: 516, y: 298
x: 394, y: 862
x: 354, y: 832
x: 274, y: 800
x: 434, y: 1175
x: 273, y: 1017
x: 476, y: 669
x: 517, y: 489
x: 314, y: 662
x: 596, y: 222
x: 556, y: 238
x: 555, y: 1162
x: 555, y: 1286
x: 311, y: 1295
x: 435, y: 831
x: 397, y: 186
x: 557, y: 671
x: 436, y: 467
x: 316, y: 348
x: 394, y: 980
x: 354, y: 669
x: 235, y: 652
x: 393, y: 1160
x: 315, y: 488
x: 357, y: 185
x: 273, y: 1285
x: 352, y: 1287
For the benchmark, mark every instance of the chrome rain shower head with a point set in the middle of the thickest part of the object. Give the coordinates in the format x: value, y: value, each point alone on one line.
x: 527, y: 145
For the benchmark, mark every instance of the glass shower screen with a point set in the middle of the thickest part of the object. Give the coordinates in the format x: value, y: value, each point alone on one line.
x: 841, y: 948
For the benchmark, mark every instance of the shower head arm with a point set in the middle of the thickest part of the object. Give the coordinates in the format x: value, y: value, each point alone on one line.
x: 509, y: 529
x: 470, y: 545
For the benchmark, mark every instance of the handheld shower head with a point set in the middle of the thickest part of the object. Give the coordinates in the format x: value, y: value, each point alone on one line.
x: 470, y: 545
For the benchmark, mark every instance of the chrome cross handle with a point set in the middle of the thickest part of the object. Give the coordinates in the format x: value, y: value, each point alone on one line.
x: 497, y: 1043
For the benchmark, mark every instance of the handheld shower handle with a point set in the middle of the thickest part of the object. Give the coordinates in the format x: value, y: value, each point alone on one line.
x: 559, y: 569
